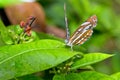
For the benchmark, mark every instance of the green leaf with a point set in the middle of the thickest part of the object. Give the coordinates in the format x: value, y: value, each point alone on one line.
x: 29, y: 77
x: 92, y: 75
x: 89, y: 59
x: 59, y: 77
x: 4, y: 33
x: 86, y: 75
x: 116, y: 76
x: 1, y: 42
x: 15, y: 28
x: 23, y: 59
x: 48, y: 36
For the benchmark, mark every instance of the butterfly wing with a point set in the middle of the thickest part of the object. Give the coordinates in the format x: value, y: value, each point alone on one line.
x: 84, y: 37
x: 84, y: 32
x: 80, y: 33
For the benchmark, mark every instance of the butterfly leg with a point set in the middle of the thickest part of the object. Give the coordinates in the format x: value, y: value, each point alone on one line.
x: 71, y: 47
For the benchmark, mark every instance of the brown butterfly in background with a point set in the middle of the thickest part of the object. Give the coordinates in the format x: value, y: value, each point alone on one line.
x: 82, y: 33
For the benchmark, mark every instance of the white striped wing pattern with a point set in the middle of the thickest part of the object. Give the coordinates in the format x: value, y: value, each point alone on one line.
x: 83, y: 32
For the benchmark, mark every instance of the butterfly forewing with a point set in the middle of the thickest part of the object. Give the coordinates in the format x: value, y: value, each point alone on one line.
x: 84, y: 32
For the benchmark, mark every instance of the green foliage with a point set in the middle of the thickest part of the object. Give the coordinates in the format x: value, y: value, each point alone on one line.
x: 38, y: 56
x: 106, y: 35
x: 86, y: 75
x: 18, y: 35
x: 4, y: 3
x: 90, y: 58
x: 28, y: 58
x: 4, y: 34
x: 25, y: 58
x: 30, y: 77
x: 116, y: 76
x: 47, y: 36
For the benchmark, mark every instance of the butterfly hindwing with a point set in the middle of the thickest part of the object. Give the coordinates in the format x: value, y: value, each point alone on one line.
x: 84, y: 37
x: 83, y: 32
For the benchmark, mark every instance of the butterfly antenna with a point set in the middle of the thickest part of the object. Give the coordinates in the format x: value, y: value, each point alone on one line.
x: 66, y: 24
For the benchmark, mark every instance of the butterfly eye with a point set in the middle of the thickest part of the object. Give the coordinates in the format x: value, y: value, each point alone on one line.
x: 94, y: 20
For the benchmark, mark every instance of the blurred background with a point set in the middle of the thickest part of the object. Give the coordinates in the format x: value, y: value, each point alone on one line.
x: 50, y: 20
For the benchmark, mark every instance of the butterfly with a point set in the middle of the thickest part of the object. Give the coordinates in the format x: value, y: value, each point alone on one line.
x: 82, y: 33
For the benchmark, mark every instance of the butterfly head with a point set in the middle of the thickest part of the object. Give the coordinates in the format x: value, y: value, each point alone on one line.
x: 93, y: 20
